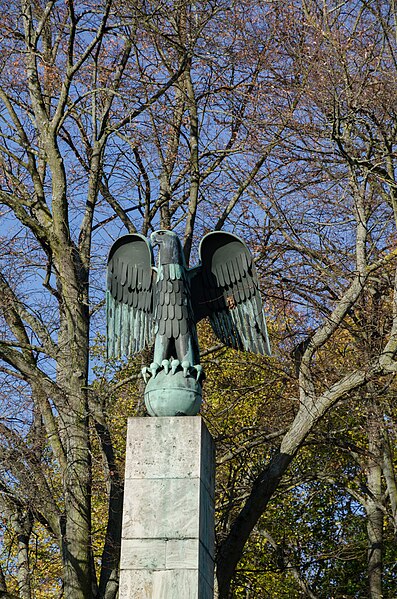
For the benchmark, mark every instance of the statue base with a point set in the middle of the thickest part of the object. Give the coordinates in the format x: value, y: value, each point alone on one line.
x: 169, y: 394
x: 167, y: 547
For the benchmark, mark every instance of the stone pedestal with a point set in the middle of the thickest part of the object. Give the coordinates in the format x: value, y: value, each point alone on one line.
x: 167, y: 545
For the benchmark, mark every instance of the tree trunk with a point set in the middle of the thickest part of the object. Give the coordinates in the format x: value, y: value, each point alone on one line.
x: 77, y: 530
x: 374, y: 511
x: 389, y: 476
x: 3, y: 586
x: 72, y: 375
x: 375, y: 539
x: 109, y: 579
x: 22, y: 524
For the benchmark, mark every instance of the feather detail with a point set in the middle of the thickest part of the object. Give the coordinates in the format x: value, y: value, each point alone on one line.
x: 227, y: 291
x: 129, y: 296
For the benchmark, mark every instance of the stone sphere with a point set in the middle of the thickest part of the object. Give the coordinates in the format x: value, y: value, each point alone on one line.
x: 172, y: 395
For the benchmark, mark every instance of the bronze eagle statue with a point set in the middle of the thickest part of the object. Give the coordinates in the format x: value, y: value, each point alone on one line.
x: 146, y: 304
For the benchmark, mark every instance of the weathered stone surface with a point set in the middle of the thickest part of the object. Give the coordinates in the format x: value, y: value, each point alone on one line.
x: 143, y: 554
x: 168, y: 519
x: 168, y: 448
x: 160, y: 508
x: 182, y: 553
x: 206, y: 518
x: 206, y: 565
x: 175, y: 584
x: 207, y: 461
x: 205, y: 590
x: 136, y: 584
x: 164, y: 584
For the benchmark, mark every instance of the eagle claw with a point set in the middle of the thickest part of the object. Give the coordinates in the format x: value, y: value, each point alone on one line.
x: 173, y: 365
x: 190, y: 368
x: 166, y: 366
x: 145, y: 372
x: 199, y: 372
x: 186, y: 367
x: 154, y: 368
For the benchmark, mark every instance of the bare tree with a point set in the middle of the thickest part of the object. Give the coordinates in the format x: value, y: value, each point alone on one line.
x: 329, y: 194
x: 113, y: 115
x: 275, y: 121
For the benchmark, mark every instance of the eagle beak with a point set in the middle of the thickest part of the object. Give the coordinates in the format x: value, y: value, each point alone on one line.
x: 153, y: 239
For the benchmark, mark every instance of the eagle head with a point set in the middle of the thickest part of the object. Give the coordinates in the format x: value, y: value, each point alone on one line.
x: 170, y: 248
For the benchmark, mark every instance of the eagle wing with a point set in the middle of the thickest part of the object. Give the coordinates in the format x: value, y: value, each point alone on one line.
x: 129, y: 296
x: 225, y: 288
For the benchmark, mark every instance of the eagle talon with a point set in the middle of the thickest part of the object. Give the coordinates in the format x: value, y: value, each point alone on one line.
x: 166, y: 365
x: 154, y: 368
x: 199, y: 372
x: 190, y: 369
x: 145, y: 372
x: 174, y: 366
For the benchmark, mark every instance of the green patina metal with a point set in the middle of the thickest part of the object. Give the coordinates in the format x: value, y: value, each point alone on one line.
x: 162, y: 305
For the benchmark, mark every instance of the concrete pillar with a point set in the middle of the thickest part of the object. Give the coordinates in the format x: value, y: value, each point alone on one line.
x: 167, y: 547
